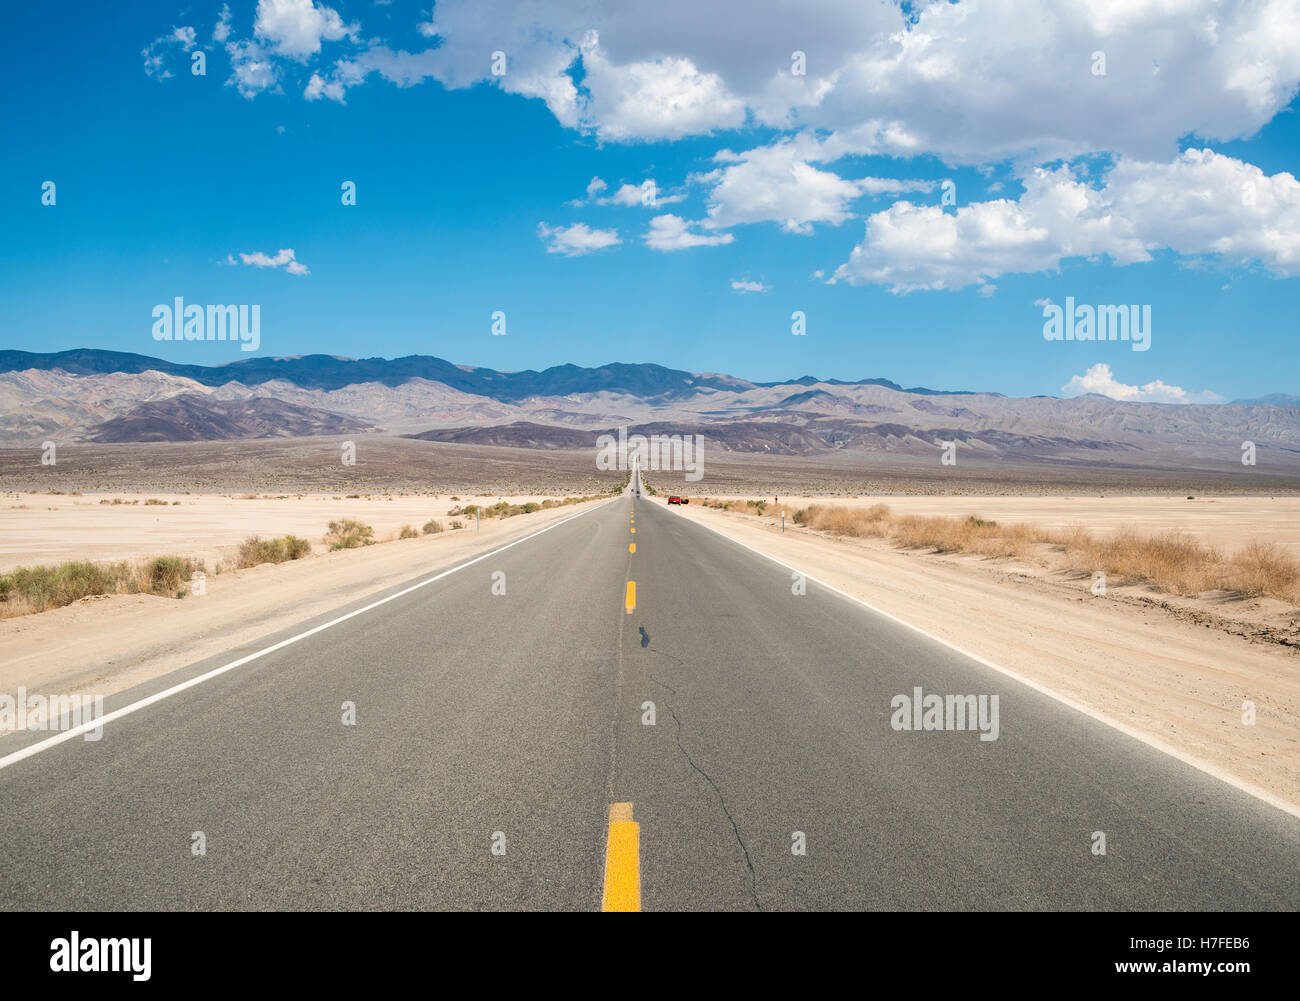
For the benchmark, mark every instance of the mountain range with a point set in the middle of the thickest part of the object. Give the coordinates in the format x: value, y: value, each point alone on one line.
x: 105, y: 397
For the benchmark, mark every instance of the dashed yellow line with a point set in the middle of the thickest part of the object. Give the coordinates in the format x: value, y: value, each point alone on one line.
x: 622, y: 861
x: 631, y: 597
x: 631, y: 547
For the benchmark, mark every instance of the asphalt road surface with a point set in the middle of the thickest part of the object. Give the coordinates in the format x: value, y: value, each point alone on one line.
x: 494, y: 732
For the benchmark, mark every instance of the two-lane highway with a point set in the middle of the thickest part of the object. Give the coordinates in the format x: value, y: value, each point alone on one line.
x: 531, y: 726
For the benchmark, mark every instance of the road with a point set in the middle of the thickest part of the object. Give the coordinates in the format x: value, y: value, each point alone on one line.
x: 494, y: 732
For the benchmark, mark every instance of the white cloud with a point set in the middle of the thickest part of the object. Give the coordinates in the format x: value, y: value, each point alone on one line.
x: 252, y: 69
x: 157, y: 54
x: 576, y: 240
x: 221, y: 31
x: 663, y: 98
x: 777, y: 184
x: 1042, y: 302
x: 282, y: 259
x: 318, y: 87
x: 970, y: 82
x: 987, y: 290
x: 646, y: 193
x: 295, y: 28
x: 967, y: 81
x: 1202, y: 203
x: 892, y: 185
x: 993, y: 81
x: 743, y: 286
x: 1099, y: 379
x: 670, y: 232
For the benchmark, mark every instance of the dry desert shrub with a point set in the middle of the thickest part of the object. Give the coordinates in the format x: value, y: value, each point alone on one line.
x: 348, y: 533
x: 255, y: 550
x: 1263, y: 568
x: 1172, y: 562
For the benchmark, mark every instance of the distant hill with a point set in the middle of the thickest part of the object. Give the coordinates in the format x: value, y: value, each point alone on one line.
x: 190, y: 417
x: 1272, y: 400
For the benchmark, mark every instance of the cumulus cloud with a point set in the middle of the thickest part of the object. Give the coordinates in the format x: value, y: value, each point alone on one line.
x: 743, y: 286
x: 777, y: 184
x: 576, y: 240
x: 1100, y: 379
x: 1203, y: 203
x: 671, y: 232
x: 969, y: 82
x: 966, y: 81
x: 295, y: 28
x: 253, y: 70
x: 281, y: 259
x: 998, y: 81
x: 664, y: 98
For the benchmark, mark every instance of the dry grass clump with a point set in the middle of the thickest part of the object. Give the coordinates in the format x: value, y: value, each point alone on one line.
x: 1169, y: 561
x: 432, y: 527
x: 255, y: 550
x: 504, y: 509
x: 1263, y: 568
x: 25, y: 590
x: 408, y: 532
x: 348, y: 533
x: 858, y: 523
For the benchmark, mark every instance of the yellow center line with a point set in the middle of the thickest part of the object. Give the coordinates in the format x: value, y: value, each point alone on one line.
x: 631, y: 597
x: 622, y: 861
x: 631, y: 547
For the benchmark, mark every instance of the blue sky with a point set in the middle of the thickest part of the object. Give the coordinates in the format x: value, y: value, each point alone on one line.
x: 164, y: 179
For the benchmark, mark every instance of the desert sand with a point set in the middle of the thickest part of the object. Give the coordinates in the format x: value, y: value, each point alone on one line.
x: 52, y: 528
x: 1226, y: 522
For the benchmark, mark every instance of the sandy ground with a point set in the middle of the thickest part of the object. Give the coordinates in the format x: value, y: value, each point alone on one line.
x: 1226, y: 522
x: 1139, y: 658
x: 51, y: 528
x: 99, y: 646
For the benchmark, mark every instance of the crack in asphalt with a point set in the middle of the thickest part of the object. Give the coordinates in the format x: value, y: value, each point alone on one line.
x: 753, y: 877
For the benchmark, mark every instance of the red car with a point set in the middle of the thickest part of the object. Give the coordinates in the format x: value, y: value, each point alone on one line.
x: 676, y: 500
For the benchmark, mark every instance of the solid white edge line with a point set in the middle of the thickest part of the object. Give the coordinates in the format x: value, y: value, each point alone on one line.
x: 1286, y: 806
x: 59, y: 738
